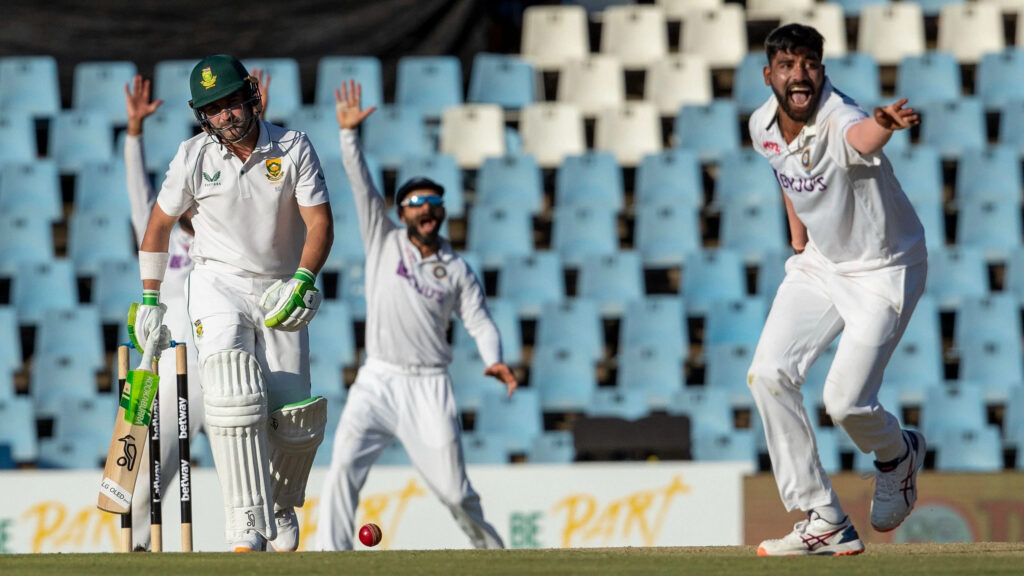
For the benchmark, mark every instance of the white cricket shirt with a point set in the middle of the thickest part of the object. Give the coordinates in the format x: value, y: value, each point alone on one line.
x: 246, y: 215
x: 410, y: 299
x: 855, y: 211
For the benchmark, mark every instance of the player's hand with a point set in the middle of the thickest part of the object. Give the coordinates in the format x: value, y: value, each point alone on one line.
x: 263, y: 81
x: 896, y: 117
x: 158, y: 341
x: 137, y: 103
x: 348, y: 105
x: 145, y: 319
x: 502, y: 372
x: 291, y: 304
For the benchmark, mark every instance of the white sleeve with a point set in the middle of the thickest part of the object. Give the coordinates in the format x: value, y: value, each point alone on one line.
x: 374, y: 223
x: 177, y: 193
x: 839, y: 122
x: 472, y: 310
x: 311, y: 189
x: 141, y: 195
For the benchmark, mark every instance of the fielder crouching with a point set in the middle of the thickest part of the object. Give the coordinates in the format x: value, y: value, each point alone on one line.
x: 260, y: 211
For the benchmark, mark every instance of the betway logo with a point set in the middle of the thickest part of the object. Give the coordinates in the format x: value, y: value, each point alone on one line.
x: 186, y: 481
x: 182, y: 419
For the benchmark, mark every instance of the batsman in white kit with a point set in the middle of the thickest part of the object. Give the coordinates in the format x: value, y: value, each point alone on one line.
x: 259, y: 207
x: 859, y: 270
x: 414, y: 282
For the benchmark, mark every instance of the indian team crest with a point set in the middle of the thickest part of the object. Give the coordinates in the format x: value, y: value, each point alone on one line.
x: 805, y: 158
x: 209, y: 78
x: 274, y: 172
x: 440, y: 271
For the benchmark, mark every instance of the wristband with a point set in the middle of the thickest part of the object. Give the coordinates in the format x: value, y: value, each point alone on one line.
x: 152, y: 265
x: 150, y: 297
x: 304, y: 275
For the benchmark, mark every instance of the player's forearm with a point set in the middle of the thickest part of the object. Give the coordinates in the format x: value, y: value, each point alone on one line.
x: 319, y: 237
x: 868, y: 136
x: 797, y: 230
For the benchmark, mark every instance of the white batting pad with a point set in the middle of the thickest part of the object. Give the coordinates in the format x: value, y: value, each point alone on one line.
x: 235, y: 397
x: 296, y: 430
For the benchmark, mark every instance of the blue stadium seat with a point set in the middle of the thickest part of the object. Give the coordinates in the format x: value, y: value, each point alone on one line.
x: 591, y: 179
x: 333, y: 336
x: 518, y: 418
x: 442, y: 169
x: 928, y: 78
x: 81, y: 432
x: 992, y: 172
x: 39, y: 72
x: 709, y: 409
x: 856, y: 75
x: 612, y: 280
x: 114, y: 287
x: 352, y: 289
x: 1000, y: 78
x: 24, y: 240
x: 319, y: 124
x: 917, y: 359
x: 666, y: 232
x: 348, y: 243
x: 995, y: 317
x: 41, y: 286
x: 955, y: 406
x: 323, y: 454
x: 19, y: 429
x: 99, y: 87
x: 969, y: 450
x: 498, y: 233
x: 340, y: 188
x: 595, y: 7
x: 574, y: 323
x: 726, y: 367
x: 932, y: 215
x: 31, y: 189
x: 919, y: 170
x: 531, y: 281
x: 749, y: 90
x: 627, y: 404
x: 709, y: 131
x: 1014, y: 282
x: 991, y: 225
x: 17, y: 136
x: 565, y: 377
x: 171, y: 84
x: 735, y: 321
x: 103, y: 188
x: 851, y: 8
x: 501, y: 79
x: 506, y: 318
x: 713, y: 274
x: 1011, y: 125
x: 555, y: 447
x: 80, y: 139
x: 744, y: 175
x: 57, y: 379
x: 582, y: 231
x: 512, y: 180
x: 94, y: 237
x: 74, y: 332
x: 482, y: 448
x: 394, y: 133
x: 955, y: 273
x: 1013, y: 417
x: 164, y: 132
x: 753, y: 227
x: 655, y: 372
x: 770, y: 273
x: 10, y: 348
x: 964, y: 117
x: 670, y: 176
x: 736, y: 445
x: 468, y: 380
x: 331, y: 71
x: 656, y: 321
x: 326, y: 376
x: 285, y: 85
x: 429, y: 83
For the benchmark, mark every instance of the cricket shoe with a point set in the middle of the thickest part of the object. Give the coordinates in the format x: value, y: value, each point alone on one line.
x: 250, y: 541
x: 815, y: 536
x: 287, y: 531
x: 896, y: 485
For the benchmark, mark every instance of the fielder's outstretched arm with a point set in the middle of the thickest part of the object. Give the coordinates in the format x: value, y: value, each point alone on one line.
x: 871, y: 134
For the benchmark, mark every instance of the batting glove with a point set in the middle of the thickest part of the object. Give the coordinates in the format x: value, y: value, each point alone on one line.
x: 145, y: 319
x: 291, y: 304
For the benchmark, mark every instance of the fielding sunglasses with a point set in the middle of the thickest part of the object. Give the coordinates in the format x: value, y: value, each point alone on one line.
x: 417, y: 200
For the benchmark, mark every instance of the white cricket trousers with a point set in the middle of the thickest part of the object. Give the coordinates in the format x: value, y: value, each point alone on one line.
x: 417, y: 406
x: 813, y: 305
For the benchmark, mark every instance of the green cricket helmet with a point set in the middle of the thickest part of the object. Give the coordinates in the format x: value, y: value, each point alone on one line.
x: 215, y: 77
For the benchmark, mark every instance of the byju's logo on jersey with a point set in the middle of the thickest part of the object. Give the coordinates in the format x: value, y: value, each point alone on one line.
x: 274, y: 172
x: 211, y: 180
x: 209, y: 79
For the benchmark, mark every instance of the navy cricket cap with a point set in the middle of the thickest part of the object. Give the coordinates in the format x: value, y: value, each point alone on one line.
x: 414, y: 184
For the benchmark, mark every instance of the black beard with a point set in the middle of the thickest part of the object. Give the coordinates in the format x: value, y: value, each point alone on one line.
x: 802, y: 116
x: 432, y: 240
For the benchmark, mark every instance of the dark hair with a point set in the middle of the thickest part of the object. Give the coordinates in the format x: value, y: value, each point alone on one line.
x: 790, y: 37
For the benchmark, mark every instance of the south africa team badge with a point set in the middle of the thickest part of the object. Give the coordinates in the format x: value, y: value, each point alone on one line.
x: 274, y: 172
x: 209, y: 79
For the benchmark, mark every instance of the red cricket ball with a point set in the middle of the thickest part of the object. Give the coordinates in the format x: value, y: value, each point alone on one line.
x: 370, y: 534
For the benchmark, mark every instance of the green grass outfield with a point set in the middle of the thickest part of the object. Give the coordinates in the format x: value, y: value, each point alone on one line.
x: 897, y: 559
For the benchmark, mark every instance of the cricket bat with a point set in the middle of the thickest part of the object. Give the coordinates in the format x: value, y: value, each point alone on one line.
x: 128, y: 442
